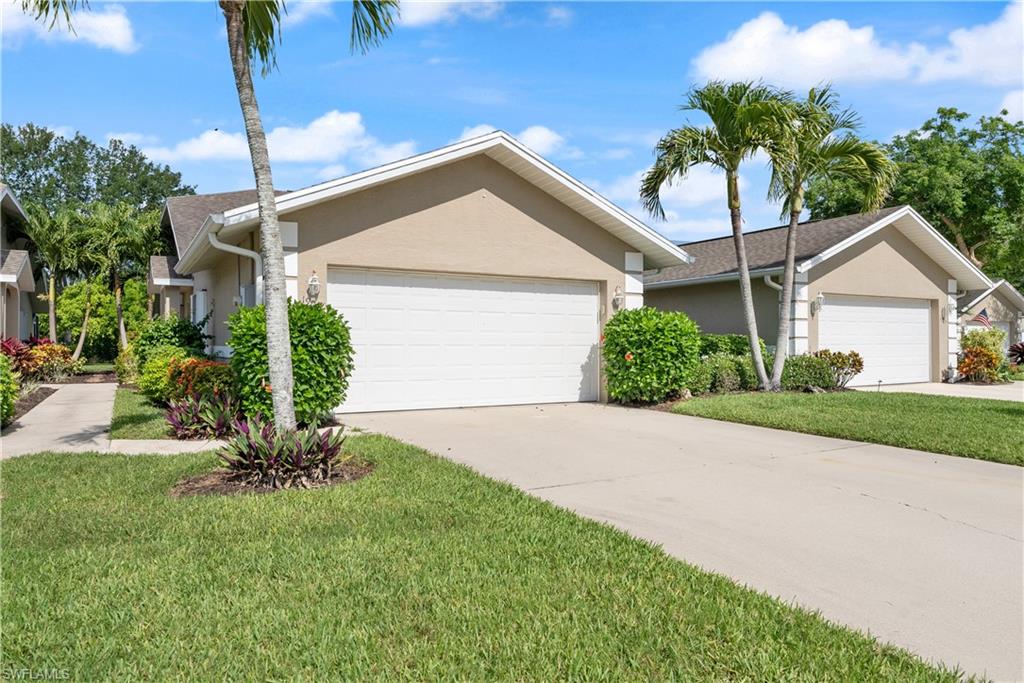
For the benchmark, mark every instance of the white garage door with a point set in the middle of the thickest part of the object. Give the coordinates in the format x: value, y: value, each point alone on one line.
x: 893, y: 336
x: 435, y: 341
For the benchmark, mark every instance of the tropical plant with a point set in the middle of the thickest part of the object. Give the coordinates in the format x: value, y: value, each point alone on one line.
x: 54, y: 243
x: 9, y: 388
x: 199, y: 416
x: 321, y: 359
x: 648, y: 354
x: 743, y: 119
x: 155, y: 375
x: 992, y: 338
x: 733, y: 344
x: 262, y: 456
x: 1016, y: 353
x: 843, y: 366
x: 816, y: 144
x: 979, y: 363
x: 53, y: 363
x: 126, y: 365
x: 171, y: 331
x: 20, y: 355
x: 722, y: 372
x: 200, y: 377
x: 94, y: 296
x: 807, y: 371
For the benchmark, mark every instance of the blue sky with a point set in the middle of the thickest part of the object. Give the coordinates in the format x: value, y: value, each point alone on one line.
x: 589, y: 85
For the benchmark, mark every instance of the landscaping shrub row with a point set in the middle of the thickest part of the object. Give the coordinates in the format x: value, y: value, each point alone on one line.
x: 40, y: 360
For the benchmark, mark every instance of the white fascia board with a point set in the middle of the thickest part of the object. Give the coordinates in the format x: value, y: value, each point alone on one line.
x: 244, y: 216
x: 724, y: 277
x: 1000, y: 285
x: 200, y: 243
x: 171, y: 282
x: 6, y: 193
x: 8, y: 278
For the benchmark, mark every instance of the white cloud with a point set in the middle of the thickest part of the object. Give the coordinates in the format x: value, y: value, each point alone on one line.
x: 426, y: 12
x: 137, y: 139
x: 1013, y: 103
x: 702, y: 186
x: 833, y: 50
x: 559, y: 15
x: 301, y: 12
x: 327, y: 139
x: 616, y: 153
x: 108, y: 28
x: 331, y: 172
x: 540, y: 139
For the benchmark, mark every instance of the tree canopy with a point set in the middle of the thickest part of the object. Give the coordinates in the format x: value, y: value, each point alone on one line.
x: 966, y: 179
x: 44, y: 168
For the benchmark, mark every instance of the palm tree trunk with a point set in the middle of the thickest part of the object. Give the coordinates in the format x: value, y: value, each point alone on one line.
x: 786, y: 300
x: 85, y: 321
x: 52, y: 306
x: 746, y: 295
x: 122, y: 333
x: 279, y: 352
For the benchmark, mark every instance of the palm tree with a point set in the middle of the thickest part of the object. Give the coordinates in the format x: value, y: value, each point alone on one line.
x: 53, y: 238
x: 89, y: 261
x: 817, y: 143
x: 743, y: 116
x: 254, y: 31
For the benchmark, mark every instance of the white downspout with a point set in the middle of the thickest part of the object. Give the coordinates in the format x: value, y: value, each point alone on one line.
x: 772, y: 283
x: 232, y: 249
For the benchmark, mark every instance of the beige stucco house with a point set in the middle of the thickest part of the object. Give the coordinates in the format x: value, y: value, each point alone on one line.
x: 885, y: 284
x: 16, y: 280
x: 475, y: 274
x: 1002, y: 304
x: 171, y: 290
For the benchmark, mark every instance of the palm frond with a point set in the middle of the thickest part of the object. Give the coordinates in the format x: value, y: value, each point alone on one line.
x: 372, y: 21
x: 676, y: 153
x: 261, y: 24
x: 52, y: 11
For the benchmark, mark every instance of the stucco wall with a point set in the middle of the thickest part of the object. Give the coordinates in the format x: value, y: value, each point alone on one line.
x: 998, y: 308
x: 887, y: 264
x: 716, y: 306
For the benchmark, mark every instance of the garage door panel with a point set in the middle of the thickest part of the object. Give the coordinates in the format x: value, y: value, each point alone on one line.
x: 893, y: 336
x: 425, y: 340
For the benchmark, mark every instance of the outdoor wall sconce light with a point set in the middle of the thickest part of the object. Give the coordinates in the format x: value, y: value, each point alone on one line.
x: 948, y: 313
x: 817, y: 304
x: 618, y: 299
x: 313, y: 288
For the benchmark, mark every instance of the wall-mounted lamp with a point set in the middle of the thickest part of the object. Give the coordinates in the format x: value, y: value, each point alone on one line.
x: 948, y: 313
x: 618, y: 299
x: 313, y: 289
x: 817, y: 304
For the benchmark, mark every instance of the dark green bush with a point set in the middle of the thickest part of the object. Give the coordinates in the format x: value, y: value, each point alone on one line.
x: 732, y: 344
x: 801, y: 372
x: 172, y: 331
x: 648, y: 354
x: 155, y: 378
x: 200, y: 377
x: 9, y: 387
x: 321, y: 359
x: 722, y: 372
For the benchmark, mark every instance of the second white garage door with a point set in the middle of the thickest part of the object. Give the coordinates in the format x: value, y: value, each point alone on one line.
x: 893, y: 336
x: 439, y: 341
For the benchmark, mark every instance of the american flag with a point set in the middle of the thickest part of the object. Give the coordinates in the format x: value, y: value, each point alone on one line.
x: 982, y: 318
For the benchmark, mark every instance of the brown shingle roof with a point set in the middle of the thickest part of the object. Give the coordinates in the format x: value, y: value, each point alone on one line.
x: 162, y: 267
x: 765, y: 248
x: 188, y: 212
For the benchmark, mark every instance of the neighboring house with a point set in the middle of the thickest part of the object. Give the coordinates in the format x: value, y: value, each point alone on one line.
x: 16, y: 280
x: 885, y: 284
x: 475, y: 274
x: 1003, y: 305
x: 173, y: 291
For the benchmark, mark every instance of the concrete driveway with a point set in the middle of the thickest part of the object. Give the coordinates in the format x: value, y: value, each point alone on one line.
x: 1013, y: 391
x: 921, y: 550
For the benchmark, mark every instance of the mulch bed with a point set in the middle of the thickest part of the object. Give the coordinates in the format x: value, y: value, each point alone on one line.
x: 225, y: 483
x: 30, y: 401
x: 91, y: 378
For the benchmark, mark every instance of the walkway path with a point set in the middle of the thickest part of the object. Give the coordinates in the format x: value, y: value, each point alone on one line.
x: 77, y: 419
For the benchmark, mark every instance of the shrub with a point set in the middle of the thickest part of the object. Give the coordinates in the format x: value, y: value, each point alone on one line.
x: 262, y: 457
x: 991, y: 338
x: 200, y: 377
x: 20, y: 355
x: 155, y: 378
x: 1016, y: 353
x: 172, y: 331
x: 979, y: 363
x: 843, y: 366
x: 101, y: 330
x: 202, y: 417
x: 804, y: 371
x: 732, y: 344
x: 723, y: 372
x: 127, y: 365
x: 648, y: 354
x: 53, y: 363
x: 9, y: 387
x: 321, y: 359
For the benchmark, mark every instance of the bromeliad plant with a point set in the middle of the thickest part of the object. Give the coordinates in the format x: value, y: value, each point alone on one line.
x: 1016, y: 353
x: 844, y: 366
x: 199, y: 416
x: 260, y: 456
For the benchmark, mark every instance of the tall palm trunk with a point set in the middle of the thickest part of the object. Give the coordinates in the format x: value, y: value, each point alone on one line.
x: 747, y: 296
x: 85, y: 321
x: 786, y: 299
x: 121, y: 332
x: 279, y: 353
x: 52, y: 306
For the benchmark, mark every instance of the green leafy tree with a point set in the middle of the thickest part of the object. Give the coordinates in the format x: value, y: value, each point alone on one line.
x: 744, y: 117
x: 817, y: 144
x: 101, y: 325
x: 45, y: 168
x: 54, y: 245
x: 966, y: 179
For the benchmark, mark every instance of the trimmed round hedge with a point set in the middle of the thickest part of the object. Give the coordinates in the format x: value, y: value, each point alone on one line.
x: 321, y: 360
x: 649, y: 354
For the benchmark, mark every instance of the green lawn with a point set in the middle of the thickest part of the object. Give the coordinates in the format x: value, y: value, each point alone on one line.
x: 422, y: 571
x: 968, y: 427
x: 135, y: 417
x: 95, y: 368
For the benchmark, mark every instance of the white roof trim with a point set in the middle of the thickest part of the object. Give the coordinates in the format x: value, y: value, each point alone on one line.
x: 906, y: 211
x: 657, y: 250
x: 172, y: 282
x: 1009, y: 290
x: 5, y: 193
x: 706, y: 279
